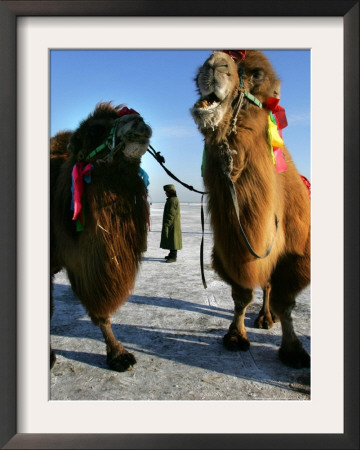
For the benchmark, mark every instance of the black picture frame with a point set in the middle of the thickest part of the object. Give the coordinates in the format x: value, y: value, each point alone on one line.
x: 9, y: 11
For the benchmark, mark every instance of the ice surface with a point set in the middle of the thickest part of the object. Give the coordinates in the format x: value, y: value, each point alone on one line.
x: 174, y: 327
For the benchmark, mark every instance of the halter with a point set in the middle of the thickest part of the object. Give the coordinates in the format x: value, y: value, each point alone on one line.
x: 110, y: 141
x: 108, y: 144
x: 243, y: 93
x: 81, y: 171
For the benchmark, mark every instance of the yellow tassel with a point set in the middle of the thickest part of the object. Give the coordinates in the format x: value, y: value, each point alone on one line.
x: 274, y: 136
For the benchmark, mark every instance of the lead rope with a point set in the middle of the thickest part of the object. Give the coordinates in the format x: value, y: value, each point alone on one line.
x: 161, y: 160
x: 227, y: 162
x: 236, y: 112
x: 236, y: 205
x: 202, y: 245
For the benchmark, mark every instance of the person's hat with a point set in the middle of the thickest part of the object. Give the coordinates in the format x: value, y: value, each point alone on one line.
x: 169, y: 187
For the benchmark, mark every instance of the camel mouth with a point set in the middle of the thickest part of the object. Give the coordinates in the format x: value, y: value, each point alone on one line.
x: 135, y: 150
x: 136, y: 137
x: 208, y: 102
x: 141, y: 141
x: 136, y: 141
x: 209, y: 110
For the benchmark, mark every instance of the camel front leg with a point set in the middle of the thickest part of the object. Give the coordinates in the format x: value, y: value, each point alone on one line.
x: 236, y: 338
x: 266, y: 317
x: 118, y: 358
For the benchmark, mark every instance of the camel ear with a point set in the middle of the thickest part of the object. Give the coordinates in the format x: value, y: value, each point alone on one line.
x: 277, y: 89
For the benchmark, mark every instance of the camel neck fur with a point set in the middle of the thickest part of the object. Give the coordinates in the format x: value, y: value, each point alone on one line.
x: 254, y: 177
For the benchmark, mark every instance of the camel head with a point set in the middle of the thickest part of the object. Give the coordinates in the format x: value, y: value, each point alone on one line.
x: 218, y: 82
x: 111, y: 134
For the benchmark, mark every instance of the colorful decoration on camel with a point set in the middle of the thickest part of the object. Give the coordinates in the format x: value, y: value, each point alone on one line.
x: 276, y: 122
x: 125, y: 111
x: 81, y: 172
x: 307, y: 184
x: 236, y: 55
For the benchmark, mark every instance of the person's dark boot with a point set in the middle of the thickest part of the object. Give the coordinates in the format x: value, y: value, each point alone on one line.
x: 172, y: 256
x: 170, y: 260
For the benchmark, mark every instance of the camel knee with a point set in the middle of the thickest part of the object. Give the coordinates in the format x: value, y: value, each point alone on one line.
x: 242, y: 297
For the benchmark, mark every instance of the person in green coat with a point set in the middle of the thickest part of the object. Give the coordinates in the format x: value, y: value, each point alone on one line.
x: 171, y: 237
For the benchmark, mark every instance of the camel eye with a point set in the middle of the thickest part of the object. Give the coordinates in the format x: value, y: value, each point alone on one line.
x: 257, y: 75
x: 222, y: 68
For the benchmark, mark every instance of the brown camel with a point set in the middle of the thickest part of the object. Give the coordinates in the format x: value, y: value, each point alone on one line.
x: 98, y: 214
x: 260, y: 215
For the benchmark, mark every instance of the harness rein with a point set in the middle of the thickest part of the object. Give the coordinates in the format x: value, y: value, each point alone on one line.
x: 227, y: 167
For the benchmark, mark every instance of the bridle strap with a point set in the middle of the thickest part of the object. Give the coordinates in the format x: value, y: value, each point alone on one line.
x: 239, y: 103
x: 242, y: 232
x: 243, y: 93
x: 101, y: 147
x: 252, y: 98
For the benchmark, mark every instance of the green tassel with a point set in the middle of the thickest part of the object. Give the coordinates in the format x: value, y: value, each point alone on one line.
x: 79, y: 225
x: 272, y: 118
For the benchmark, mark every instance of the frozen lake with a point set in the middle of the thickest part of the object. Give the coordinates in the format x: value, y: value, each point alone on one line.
x: 174, y: 327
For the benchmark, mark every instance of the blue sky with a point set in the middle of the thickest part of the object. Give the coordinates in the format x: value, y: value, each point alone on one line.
x: 159, y: 84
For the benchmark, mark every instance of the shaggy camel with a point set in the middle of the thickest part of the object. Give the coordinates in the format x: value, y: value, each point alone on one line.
x: 260, y: 214
x: 98, y: 215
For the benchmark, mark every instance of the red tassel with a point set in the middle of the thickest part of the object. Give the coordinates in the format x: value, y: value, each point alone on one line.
x: 125, y: 111
x: 272, y: 103
x: 280, y: 164
x: 237, y: 55
x: 79, y: 171
x: 307, y: 184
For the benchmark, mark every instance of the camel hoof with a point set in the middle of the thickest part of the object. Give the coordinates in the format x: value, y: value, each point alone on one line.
x: 52, y: 358
x: 233, y: 341
x: 297, y: 359
x: 121, y: 362
x: 264, y: 322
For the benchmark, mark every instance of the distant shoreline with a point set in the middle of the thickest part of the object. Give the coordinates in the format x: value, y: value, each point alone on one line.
x: 181, y: 203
